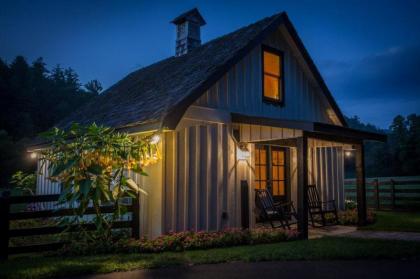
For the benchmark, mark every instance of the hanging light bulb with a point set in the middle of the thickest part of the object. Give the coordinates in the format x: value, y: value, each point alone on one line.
x: 155, y: 139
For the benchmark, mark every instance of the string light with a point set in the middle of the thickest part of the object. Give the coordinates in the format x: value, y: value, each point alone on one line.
x: 155, y: 139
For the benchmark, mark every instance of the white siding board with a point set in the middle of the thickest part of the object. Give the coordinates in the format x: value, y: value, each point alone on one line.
x: 303, y: 98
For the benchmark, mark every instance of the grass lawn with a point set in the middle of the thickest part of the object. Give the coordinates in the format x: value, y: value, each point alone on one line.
x: 328, y: 248
x: 395, y: 221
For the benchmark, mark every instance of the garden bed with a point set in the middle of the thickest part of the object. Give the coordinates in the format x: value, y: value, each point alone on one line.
x: 181, y: 241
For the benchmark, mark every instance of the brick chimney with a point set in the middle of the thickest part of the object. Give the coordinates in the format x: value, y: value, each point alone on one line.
x: 188, y: 32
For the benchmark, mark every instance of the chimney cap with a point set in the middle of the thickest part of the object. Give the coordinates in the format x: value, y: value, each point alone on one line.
x: 191, y: 15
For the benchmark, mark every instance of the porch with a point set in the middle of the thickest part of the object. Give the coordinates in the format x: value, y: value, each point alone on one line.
x: 314, y: 155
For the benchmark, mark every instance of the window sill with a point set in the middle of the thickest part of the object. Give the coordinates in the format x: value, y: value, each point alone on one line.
x: 274, y: 102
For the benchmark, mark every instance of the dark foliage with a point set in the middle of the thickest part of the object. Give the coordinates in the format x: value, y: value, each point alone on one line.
x: 33, y: 99
x: 399, y: 156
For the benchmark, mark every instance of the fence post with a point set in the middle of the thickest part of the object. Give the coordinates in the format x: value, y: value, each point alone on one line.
x: 135, y: 223
x: 376, y: 185
x: 393, y: 193
x: 4, y: 224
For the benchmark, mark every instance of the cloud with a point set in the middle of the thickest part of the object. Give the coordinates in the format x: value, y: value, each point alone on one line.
x: 377, y: 87
x: 393, y: 73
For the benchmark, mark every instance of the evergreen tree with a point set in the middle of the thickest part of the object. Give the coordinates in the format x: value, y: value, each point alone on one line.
x: 411, y: 164
x: 33, y: 100
x: 94, y: 87
x: 397, y: 144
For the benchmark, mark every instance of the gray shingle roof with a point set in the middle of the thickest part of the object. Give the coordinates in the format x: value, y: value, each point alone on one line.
x: 160, y: 93
x: 148, y: 94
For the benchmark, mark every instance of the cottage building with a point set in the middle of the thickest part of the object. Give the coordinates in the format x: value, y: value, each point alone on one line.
x: 248, y: 110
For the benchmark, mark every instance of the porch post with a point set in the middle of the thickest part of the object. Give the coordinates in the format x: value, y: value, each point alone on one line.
x: 302, y: 181
x: 360, y: 184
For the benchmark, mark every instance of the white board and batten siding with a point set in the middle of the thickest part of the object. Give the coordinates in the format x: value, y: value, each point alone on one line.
x: 240, y: 89
x: 326, y: 171
x: 201, y: 178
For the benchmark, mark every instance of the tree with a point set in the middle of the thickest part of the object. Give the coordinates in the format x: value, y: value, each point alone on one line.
x: 411, y: 164
x: 397, y: 144
x: 33, y: 99
x: 94, y: 87
x: 90, y: 163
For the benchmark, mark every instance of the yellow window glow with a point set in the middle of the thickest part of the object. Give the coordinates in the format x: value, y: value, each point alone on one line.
x: 271, y: 63
x: 272, y: 76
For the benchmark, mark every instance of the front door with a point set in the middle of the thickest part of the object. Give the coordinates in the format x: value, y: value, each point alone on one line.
x: 270, y: 170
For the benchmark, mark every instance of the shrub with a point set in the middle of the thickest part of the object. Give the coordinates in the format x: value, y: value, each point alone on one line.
x: 349, y: 217
x: 181, y: 241
x: 90, y: 163
x: 350, y: 204
x: 25, y: 182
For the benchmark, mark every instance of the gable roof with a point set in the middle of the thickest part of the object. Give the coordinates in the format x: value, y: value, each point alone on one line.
x: 159, y: 94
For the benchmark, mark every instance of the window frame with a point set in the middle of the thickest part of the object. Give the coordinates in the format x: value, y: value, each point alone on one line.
x: 280, y: 101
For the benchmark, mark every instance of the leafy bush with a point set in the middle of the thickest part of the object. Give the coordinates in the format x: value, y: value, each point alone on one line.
x: 350, y: 204
x: 25, y: 182
x: 349, y: 217
x: 90, y: 162
x: 181, y: 241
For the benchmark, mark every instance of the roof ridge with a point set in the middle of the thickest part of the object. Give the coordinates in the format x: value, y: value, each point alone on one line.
x: 195, y: 49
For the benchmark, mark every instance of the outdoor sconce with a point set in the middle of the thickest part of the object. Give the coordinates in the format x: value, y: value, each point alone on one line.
x: 242, y: 152
x: 33, y: 155
x: 348, y: 152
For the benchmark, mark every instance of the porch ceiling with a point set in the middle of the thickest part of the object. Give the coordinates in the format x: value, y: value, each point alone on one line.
x: 311, y: 129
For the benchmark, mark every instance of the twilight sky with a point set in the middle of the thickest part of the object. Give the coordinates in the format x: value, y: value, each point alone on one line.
x: 367, y: 51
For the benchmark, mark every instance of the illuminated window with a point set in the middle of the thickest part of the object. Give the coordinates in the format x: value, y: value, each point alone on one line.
x: 270, y: 170
x: 273, y: 84
x: 260, y: 167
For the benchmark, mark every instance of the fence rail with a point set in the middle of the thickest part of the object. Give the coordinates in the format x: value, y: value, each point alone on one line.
x: 6, y: 216
x: 387, y: 193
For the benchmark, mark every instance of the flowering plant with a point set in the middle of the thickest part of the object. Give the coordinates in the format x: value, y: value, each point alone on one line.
x: 189, y: 240
x: 181, y: 241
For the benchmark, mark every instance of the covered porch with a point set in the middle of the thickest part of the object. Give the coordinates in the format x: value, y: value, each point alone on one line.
x: 286, y: 156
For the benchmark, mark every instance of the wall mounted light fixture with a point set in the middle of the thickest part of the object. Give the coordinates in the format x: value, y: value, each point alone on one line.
x: 242, y: 152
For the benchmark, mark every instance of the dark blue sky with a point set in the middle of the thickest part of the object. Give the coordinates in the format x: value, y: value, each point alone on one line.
x: 367, y: 51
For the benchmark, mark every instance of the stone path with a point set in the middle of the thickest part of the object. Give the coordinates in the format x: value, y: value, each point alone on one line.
x: 330, y: 231
x: 349, y: 231
x: 410, y: 236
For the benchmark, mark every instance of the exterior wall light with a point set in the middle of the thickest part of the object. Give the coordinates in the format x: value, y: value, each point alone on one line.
x: 33, y: 155
x: 348, y: 153
x: 155, y: 139
x: 242, y: 152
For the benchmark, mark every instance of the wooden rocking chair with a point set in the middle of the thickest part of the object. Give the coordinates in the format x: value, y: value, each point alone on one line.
x: 317, y: 207
x: 271, y: 211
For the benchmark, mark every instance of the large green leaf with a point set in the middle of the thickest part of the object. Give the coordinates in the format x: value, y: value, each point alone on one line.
x: 85, y: 186
x: 61, y: 167
x: 95, y: 169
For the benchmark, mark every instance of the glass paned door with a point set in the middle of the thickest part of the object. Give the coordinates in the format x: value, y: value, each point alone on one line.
x: 270, y: 170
